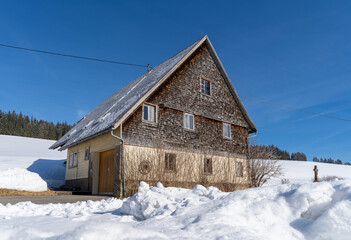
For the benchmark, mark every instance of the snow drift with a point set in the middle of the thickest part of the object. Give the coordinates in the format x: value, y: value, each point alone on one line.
x: 308, y: 211
x: 21, y: 179
x: 28, y: 164
x: 289, y: 211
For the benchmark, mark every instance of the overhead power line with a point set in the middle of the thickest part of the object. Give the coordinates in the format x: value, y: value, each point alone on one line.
x: 73, y: 56
x: 297, y: 109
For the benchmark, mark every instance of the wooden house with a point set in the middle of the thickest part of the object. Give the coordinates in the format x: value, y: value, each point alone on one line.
x: 182, y: 124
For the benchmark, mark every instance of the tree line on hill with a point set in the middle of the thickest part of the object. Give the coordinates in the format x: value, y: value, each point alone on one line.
x: 273, y: 152
x: 329, y: 160
x: 12, y: 123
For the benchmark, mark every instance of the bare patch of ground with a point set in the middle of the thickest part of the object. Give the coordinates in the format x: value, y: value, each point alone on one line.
x: 12, y: 192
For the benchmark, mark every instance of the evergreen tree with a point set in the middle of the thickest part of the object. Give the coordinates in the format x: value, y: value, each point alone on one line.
x: 298, y: 156
x: 12, y: 123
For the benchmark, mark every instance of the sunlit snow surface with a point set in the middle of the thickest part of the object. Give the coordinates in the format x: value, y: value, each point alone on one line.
x: 302, y: 172
x: 28, y: 164
x: 298, y: 211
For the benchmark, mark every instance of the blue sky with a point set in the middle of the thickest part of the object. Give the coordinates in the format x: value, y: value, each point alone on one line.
x: 294, y: 53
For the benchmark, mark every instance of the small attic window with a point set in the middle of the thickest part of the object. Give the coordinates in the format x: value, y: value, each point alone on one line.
x: 205, y: 86
x: 149, y: 112
x: 189, y: 121
x: 227, y: 133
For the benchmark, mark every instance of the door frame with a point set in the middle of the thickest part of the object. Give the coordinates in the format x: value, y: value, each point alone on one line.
x: 99, y: 177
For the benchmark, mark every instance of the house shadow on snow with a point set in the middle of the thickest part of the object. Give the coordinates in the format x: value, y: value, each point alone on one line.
x: 51, y: 171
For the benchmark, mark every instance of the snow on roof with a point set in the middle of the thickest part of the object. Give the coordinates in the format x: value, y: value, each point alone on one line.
x: 104, y: 116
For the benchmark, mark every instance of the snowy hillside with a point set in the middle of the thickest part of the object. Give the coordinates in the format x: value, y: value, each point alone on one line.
x: 289, y: 211
x: 28, y: 164
x: 302, y: 172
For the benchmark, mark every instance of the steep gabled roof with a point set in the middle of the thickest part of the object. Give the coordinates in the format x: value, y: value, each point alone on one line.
x: 118, y: 107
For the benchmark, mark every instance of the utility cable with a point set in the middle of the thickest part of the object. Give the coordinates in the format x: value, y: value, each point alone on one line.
x: 73, y: 56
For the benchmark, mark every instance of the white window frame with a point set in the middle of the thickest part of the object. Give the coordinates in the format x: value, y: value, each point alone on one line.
x: 225, y: 125
x: 203, y: 86
x: 186, y: 115
x: 150, y: 106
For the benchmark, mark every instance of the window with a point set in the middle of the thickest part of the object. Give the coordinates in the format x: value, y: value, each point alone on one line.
x: 208, y: 165
x: 205, y: 86
x: 70, y: 160
x: 227, y: 133
x: 149, y: 113
x: 87, y: 153
x: 73, y: 160
x: 239, y: 169
x: 170, y: 162
x: 189, y: 121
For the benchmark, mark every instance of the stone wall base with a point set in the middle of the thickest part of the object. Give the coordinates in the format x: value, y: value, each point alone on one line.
x: 81, y: 185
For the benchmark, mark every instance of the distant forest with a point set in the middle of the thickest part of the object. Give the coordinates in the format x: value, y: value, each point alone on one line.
x: 273, y: 152
x: 12, y: 123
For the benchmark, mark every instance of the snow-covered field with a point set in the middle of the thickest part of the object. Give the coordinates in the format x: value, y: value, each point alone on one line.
x: 302, y: 172
x: 300, y: 210
x: 28, y: 164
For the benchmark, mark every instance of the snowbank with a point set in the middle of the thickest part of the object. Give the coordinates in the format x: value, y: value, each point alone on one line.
x: 21, y: 179
x: 159, y: 202
x: 289, y: 211
x: 33, y: 155
x: 308, y: 211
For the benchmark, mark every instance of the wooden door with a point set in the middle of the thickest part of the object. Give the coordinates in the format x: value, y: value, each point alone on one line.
x: 106, y: 171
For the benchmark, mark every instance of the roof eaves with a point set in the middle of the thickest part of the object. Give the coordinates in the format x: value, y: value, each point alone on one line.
x: 55, y: 145
x: 64, y: 147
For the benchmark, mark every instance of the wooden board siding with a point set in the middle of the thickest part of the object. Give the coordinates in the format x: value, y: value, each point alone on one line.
x: 106, y: 171
x: 189, y: 169
x: 97, y: 145
x: 182, y: 94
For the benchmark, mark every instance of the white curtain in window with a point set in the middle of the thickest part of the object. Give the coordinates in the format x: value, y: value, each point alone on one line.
x: 226, y: 130
x: 151, y: 111
x: 189, y: 121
